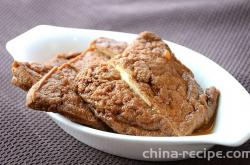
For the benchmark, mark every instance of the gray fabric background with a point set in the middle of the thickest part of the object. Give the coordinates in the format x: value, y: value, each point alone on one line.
x: 216, y: 28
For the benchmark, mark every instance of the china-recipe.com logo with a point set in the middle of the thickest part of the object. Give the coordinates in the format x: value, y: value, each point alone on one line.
x: 159, y: 153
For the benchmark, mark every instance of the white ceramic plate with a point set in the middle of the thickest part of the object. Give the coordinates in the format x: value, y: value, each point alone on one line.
x: 232, y: 126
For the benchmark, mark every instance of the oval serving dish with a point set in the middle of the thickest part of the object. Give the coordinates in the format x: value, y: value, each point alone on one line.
x: 232, y: 123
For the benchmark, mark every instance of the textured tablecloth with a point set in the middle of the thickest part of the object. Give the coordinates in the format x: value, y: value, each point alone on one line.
x: 218, y: 29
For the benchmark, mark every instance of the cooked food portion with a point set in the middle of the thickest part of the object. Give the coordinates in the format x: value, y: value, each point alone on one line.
x: 147, y: 91
x: 137, y: 89
x: 26, y: 74
x: 108, y: 46
x: 165, y: 84
x: 62, y: 58
x: 117, y: 104
x: 55, y: 92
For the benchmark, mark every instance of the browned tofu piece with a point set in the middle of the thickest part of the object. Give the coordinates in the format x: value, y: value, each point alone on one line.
x: 55, y: 92
x: 109, y: 46
x: 163, y: 99
x: 116, y: 103
x: 26, y: 74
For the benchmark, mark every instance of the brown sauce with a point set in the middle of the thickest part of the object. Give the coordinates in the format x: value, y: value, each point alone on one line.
x: 205, y: 129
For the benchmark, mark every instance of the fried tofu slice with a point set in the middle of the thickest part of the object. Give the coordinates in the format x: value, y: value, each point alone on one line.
x: 108, y: 46
x: 169, y: 102
x: 26, y: 74
x: 115, y: 103
x: 55, y: 92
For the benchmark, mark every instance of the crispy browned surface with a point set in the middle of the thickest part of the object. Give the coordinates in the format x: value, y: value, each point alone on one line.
x: 55, y: 91
x: 167, y: 84
x: 176, y: 105
x: 26, y: 74
x: 109, y: 46
x: 71, y: 105
x: 62, y: 58
x: 116, y: 104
